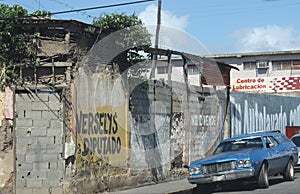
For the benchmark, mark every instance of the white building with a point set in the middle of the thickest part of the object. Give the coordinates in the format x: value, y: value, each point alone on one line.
x: 264, y: 72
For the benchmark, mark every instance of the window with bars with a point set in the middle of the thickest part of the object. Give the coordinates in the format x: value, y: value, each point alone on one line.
x: 250, y: 65
x: 193, y: 70
x: 296, y: 65
x: 282, y: 65
x: 162, y: 70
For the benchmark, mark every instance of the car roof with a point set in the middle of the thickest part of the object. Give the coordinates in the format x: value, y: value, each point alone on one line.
x: 250, y: 135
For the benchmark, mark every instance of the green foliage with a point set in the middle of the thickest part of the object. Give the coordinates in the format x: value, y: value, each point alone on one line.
x: 12, y: 44
x: 15, y: 47
x: 133, y: 35
x: 41, y: 14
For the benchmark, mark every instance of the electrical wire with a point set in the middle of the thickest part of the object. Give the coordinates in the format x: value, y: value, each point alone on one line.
x: 101, y: 7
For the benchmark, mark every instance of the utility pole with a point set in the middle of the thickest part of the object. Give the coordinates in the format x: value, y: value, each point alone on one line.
x: 158, y: 24
x: 154, y: 57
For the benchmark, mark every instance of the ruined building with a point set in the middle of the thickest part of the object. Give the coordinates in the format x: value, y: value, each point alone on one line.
x: 76, y: 124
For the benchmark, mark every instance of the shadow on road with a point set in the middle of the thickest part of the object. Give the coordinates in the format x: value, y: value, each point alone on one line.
x: 231, y: 187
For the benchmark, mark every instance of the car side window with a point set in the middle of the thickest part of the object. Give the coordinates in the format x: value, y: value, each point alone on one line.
x: 271, y: 142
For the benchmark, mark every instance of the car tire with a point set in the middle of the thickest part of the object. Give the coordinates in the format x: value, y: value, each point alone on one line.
x: 289, y: 173
x: 262, y: 179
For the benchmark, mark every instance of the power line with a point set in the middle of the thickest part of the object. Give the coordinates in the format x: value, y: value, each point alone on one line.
x: 100, y: 7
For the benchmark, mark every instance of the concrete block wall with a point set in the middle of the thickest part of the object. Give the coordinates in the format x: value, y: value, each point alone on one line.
x: 39, y: 133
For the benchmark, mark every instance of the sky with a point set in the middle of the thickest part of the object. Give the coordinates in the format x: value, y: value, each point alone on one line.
x: 199, y: 26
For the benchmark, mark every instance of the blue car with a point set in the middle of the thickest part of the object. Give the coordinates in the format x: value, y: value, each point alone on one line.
x: 249, y: 157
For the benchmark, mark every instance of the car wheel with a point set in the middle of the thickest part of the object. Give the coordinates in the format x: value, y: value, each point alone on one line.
x: 289, y: 173
x: 262, y: 178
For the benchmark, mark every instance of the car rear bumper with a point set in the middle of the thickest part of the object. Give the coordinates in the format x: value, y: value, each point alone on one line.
x: 224, y: 176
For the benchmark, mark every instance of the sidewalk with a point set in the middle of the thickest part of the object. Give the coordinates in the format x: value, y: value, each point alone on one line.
x: 166, y: 187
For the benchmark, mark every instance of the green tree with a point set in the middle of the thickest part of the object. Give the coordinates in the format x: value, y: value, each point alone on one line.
x: 133, y: 35
x: 15, y: 47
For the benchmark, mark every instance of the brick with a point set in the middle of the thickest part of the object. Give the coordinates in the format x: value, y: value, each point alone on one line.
x: 23, y: 122
x: 41, y: 123
x: 39, y: 131
x: 40, y: 166
x: 34, y: 183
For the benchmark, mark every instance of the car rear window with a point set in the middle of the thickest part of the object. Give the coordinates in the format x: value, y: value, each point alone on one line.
x: 282, y: 138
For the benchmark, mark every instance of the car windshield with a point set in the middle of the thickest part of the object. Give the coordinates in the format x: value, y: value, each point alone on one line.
x: 296, y: 141
x: 239, y: 144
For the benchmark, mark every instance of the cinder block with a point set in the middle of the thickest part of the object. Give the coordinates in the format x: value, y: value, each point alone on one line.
x: 23, y: 105
x: 23, y: 175
x: 33, y: 158
x: 55, y: 106
x: 41, y: 123
x: 26, y: 140
x: 41, y: 191
x: 51, y: 114
x: 45, y: 140
x: 40, y: 166
x: 23, y: 122
x: 56, y: 148
x: 54, y: 97
x: 43, y: 97
x: 55, y: 174
x: 24, y: 166
x: 20, y: 158
x: 23, y: 131
x: 39, y: 131
x: 56, y: 123
x: 50, y: 157
x: 52, y: 182
x: 55, y: 131
x: 23, y: 97
x: 33, y: 114
x: 21, y: 183
x: 23, y: 190
x: 39, y: 174
x: 40, y: 106
x: 34, y: 183
x: 58, y: 190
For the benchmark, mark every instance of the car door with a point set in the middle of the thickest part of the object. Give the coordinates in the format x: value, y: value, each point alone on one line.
x: 274, y: 155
